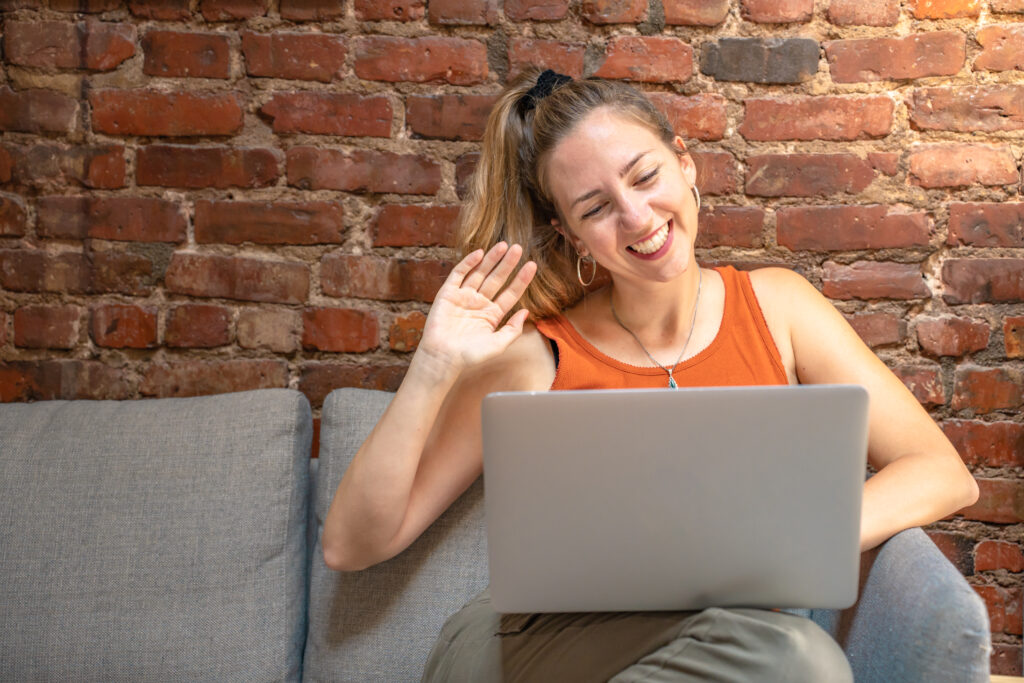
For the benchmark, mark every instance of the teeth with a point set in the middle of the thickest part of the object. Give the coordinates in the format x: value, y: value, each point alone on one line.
x: 652, y: 244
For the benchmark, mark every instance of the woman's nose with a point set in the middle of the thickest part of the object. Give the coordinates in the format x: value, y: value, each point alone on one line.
x: 634, y: 212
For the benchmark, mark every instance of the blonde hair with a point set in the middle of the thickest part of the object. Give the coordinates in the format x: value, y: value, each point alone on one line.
x: 508, y: 199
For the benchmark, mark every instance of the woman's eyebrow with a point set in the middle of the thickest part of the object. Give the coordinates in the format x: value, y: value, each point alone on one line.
x: 623, y: 171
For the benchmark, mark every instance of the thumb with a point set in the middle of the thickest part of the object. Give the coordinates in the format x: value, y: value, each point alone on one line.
x: 514, y: 327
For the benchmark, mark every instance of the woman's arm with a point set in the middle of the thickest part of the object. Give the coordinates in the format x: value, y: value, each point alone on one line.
x: 921, y: 477
x: 425, y: 450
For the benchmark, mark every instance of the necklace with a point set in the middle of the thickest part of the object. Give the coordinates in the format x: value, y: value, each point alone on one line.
x: 671, y: 380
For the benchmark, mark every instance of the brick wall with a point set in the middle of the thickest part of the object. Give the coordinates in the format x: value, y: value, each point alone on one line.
x: 200, y: 196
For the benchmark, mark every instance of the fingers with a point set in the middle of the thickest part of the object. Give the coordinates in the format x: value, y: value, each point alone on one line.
x: 492, y: 258
x: 462, y: 268
x: 496, y: 279
x: 508, y: 298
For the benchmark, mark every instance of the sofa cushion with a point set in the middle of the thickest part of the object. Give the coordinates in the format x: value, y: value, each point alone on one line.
x: 379, y: 624
x: 154, y: 540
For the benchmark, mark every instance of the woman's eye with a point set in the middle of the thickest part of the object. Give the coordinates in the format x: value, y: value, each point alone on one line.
x: 647, y: 177
x: 594, y: 211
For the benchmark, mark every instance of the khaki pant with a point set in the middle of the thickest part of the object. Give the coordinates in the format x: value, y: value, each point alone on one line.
x: 479, y: 645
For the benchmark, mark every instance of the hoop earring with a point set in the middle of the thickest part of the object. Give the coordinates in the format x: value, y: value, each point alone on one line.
x: 579, y: 273
x: 696, y: 195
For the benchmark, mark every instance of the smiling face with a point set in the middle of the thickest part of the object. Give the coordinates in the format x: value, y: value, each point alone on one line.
x: 624, y: 197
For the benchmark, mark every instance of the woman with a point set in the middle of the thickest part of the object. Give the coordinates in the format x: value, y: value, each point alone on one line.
x: 577, y: 172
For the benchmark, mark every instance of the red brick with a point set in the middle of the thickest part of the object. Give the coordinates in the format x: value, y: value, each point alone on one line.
x: 1004, y: 607
x: 806, y: 175
x: 462, y: 12
x: 465, y: 166
x: 966, y: 109
x: 451, y: 117
x: 864, y: 12
x: 199, y: 378
x: 339, y: 330
x: 984, y: 390
x: 839, y: 228
x: 149, y: 112
x: 986, y: 224
x: 959, y: 165
x: 817, y: 118
x: 874, y: 280
x: 655, y: 59
x: 198, y: 325
x: 167, y: 10
x: 199, y: 167
x: 1007, y: 659
x: 62, y: 380
x: 46, y: 327
x: 196, y: 55
x: 730, y: 226
x: 924, y: 382
x: 536, y: 10
x: 1001, y: 501
x: 235, y: 277
x: 1011, y: 6
x: 88, y: 6
x: 1002, y: 48
x: 701, y: 117
x: 134, y: 219
x: 614, y: 11
x: 996, y: 555
x: 362, y: 170
x: 431, y: 59
x: 100, y: 167
x: 6, y: 164
x: 390, y: 10
x: 695, y: 12
x: 985, y: 280
x: 717, y: 173
x: 939, y: 53
x: 987, y: 444
x: 12, y: 215
x: 236, y: 222
x: 950, y: 336
x: 316, y: 380
x: 271, y: 329
x: 878, y: 329
x: 886, y: 162
x: 958, y: 549
x: 565, y: 58
x: 36, y: 111
x: 329, y: 114
x: 374, y: 277
x: 312, y: 10
x: 93, y: 45
x: 777, y: 11
x: 229, y: 10
x: 406, y: 331
x: 301, y: 56
x: 413, y: 225
x: 122, y: 326
x: 1013, y: 336
x: 3, y: 328
x: 946, y: 9
x: 30, y: 270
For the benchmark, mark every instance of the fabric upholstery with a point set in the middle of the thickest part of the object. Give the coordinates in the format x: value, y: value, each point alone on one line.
x: 379, y: 624
x: 154, y: 540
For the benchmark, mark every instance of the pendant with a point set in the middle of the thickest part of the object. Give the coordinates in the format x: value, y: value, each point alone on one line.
x: 672, y: 382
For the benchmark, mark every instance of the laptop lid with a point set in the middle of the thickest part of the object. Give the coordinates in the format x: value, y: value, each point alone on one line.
x: 662, y: 499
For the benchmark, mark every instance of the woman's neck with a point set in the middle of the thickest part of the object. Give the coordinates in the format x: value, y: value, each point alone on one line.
x: 658, y: 313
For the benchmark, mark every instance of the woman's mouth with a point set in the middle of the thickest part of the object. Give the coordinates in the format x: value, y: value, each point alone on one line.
x: 651, y: 245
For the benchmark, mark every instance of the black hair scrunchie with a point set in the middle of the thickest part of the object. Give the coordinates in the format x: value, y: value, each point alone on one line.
x: 546, y: 83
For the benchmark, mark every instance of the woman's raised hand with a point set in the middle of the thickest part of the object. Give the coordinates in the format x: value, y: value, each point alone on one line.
x: 462, y: 328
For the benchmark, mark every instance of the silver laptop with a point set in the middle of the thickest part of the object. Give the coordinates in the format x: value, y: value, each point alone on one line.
x: 671, y: 499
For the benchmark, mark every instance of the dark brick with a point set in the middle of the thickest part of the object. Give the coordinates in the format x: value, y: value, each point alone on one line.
x: 47, y: 165
x: 985, y: 280
x: 12, y: 215
x: 878, y: 328
x: 987, y: 444
x: 149, y: 112
x: 200, y: 378
x: 198, y: 325
x: 46, y: 327
x: 36, y: 111
x: 963, y: 109
x: 316, y: 380
x: 234, y: 277
x: 731, y: 226
x: 66, y: 380
x: 760, y: 60
x: 199, y: 167
x: 414, y: 225
x: 374, y: 277
x: 987, y: 224
x: 536, y: 10
x: 951, y: 336
x: 390, y: 10
x: 302, y: 56
x: 462, y: 12
x: 196, y: 55
x: 451, y: 117
x: 874, y: 280
x: 838, y: 228
x: 806, y: 175
x: 90, y: 44
x: 362, y: 170
x: 135, y: 219
x: 235, y: 222
x: 339, y: 330
x: 230, y: 10
x: 329, y: 114
x: 817, y: 118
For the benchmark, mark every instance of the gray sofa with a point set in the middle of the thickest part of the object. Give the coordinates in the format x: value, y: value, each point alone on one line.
x: 177, y: 539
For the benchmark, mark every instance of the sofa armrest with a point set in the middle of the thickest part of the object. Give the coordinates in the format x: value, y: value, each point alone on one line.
x: 917, y: 618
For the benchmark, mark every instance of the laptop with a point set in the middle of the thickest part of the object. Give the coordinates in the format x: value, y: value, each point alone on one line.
x: 674, y: 499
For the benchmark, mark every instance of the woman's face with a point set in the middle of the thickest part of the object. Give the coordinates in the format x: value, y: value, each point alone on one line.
x: 625, y: 197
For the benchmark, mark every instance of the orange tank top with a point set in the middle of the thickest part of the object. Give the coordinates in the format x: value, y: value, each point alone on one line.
x: 743, y: 352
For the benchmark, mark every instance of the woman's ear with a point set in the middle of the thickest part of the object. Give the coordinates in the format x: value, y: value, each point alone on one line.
x: 686, y: 164
x: 569, y: 237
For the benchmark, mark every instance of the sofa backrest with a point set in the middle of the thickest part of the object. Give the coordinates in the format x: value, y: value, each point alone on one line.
x: 379, y: 624
x: 154, y: 540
